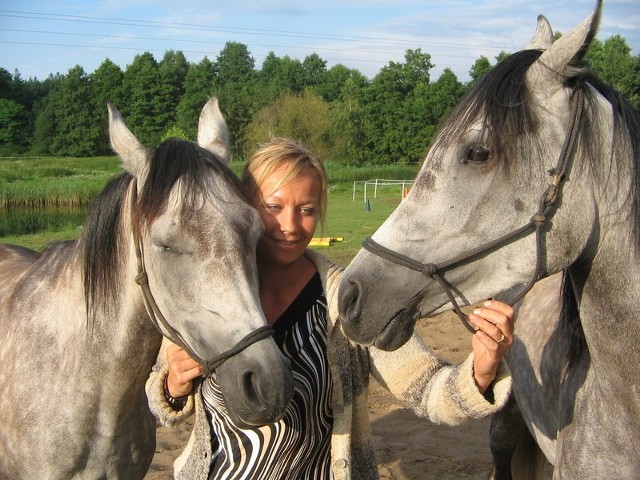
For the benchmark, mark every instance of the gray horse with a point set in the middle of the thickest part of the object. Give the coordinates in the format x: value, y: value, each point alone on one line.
x: 536, y: 172
x: 168, y: 247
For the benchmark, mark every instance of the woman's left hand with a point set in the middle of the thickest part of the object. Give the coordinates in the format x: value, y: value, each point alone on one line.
x: 494, y: 335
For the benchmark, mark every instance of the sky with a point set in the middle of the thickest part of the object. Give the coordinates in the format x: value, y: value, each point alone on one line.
x: 43, y: 37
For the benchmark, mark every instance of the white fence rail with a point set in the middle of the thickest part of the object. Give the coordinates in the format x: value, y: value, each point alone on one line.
x: 378, y: 183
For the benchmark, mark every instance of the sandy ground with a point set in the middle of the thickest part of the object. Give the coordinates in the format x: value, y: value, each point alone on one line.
x: 408, y: 447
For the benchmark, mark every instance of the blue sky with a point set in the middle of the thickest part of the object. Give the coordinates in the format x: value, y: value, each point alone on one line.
x: 39, y: 37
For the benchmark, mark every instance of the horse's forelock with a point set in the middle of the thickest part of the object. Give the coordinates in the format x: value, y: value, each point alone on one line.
x: 501, y: 100
x: 179, y: 160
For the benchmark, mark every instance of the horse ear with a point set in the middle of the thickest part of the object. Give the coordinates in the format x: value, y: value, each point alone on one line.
x: 543, y: 38
x: 212, y: 130
x: 132, y: 153
x: 564, y: 55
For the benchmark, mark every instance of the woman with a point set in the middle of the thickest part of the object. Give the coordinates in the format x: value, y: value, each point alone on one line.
x: 325, y: 430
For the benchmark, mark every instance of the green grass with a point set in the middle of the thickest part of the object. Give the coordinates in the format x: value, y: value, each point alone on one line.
x: 37, y: 241
x: 349, y: 219
x: 41, y: 182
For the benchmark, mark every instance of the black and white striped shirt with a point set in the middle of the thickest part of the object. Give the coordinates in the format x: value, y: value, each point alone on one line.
x: 299, y: 445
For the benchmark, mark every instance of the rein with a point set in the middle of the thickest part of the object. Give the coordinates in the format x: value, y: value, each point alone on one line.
x: 538, y: 221
x: 157, y: 318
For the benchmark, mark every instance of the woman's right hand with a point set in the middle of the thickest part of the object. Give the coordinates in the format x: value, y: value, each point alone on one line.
x: 182, y: 370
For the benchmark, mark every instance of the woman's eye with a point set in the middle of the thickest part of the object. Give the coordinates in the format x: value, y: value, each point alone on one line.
x: 307, y: 212
x: 476, y: 154
x: 271, y: 207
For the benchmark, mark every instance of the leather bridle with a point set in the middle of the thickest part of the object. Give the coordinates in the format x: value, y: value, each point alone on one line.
x: 158, y: 319
x: 539, y: 220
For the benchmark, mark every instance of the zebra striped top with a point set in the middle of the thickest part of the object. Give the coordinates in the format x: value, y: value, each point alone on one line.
x: 299, y: 445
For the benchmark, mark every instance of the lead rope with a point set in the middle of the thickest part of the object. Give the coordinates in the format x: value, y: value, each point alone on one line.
x: 157, y: 318
x: 537, y: 224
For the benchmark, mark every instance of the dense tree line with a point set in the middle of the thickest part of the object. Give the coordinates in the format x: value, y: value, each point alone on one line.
x: 337, y: 111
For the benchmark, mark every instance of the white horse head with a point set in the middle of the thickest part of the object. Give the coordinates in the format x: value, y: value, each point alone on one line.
x: 482, y: 179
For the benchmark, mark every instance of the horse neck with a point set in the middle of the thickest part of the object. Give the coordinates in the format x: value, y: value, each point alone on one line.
x: 608, y: 307
x: 608, y: 272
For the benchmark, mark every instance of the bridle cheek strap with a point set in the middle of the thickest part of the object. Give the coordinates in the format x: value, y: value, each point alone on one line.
x: 537, y: 224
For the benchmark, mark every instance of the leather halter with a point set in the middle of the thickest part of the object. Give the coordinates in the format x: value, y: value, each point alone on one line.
x: 546, y: 207
x: 157, y: 318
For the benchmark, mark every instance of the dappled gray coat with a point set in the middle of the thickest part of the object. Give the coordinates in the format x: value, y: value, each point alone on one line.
x: 433, y: 389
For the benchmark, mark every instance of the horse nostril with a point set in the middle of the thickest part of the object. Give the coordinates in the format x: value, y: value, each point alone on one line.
x: 250, y: 388
x: 349, y: 303
x: 259, y: 395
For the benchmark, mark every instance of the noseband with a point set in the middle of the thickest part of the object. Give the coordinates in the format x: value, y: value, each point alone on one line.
x: 546, y: 207
x: 157, y: 318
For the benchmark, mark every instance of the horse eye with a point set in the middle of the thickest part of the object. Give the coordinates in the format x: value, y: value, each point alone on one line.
x: 168, y: 250
x: 476, y: 154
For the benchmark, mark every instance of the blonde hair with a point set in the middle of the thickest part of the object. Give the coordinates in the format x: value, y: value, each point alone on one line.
x: 273, y: 155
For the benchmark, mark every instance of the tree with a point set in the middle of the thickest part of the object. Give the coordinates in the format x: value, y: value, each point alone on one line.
x: 70, y: 114
x: 502, y: 56
x: 173, y: 70
x: 612, y: 61
x: 13, y: 119
x: 235, y: 82
x: 389, y: 118
x: 143, y: 108
x: 335, y: 81
x: 280, y: 75
x: 6, y: 84
x: 391, y: 123
x: 234, y: 64
x: 106, y: 83
x: 198, y: 88
x: 481, y: 66
x: 15, y: 128
x: 427, y: 106
x: 416, y: 69
x: 304, y: 118
x: 237, y: 104
x: 314, y: 70
x: 348, y: 132
x: 443, y: 95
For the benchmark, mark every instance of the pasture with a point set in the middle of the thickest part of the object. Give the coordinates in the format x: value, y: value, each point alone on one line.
x: 43, y: 200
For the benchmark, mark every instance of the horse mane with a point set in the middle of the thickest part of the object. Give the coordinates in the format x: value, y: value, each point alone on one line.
x: 101, y: 241
x: 174, y: 160
x: 626, y: 121
x: 626, y: 124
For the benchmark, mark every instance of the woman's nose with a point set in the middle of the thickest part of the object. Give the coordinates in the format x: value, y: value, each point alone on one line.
x: 288, y: 221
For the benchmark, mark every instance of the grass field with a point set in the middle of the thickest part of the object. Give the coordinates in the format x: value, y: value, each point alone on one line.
x: 345, y: 218
x: 38, y: 183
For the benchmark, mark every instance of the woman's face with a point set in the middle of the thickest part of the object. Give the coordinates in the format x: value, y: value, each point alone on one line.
x: 290, y: 215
